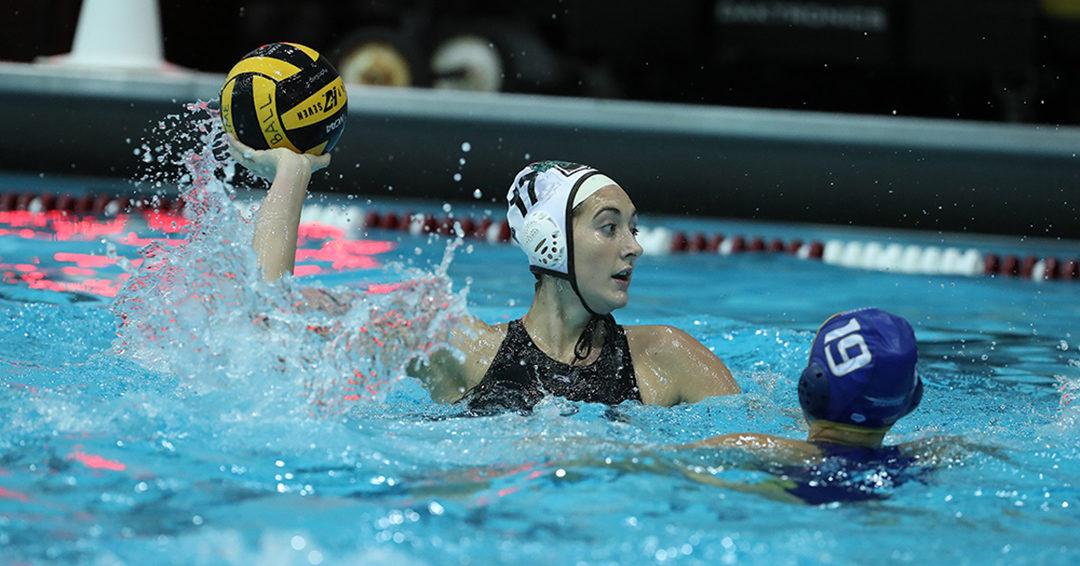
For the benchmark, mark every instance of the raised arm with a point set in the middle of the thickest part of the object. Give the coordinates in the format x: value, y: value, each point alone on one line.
x: 278, y: 219
x: 672, y: 367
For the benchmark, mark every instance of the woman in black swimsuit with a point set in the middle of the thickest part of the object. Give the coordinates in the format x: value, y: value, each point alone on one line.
x: 578, y: 228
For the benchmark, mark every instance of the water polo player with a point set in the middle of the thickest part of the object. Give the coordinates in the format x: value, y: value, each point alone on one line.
x: 861, y: 378
x: 578, y: 228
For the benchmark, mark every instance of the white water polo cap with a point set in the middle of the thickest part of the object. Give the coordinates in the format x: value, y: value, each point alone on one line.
x: 539, y: 202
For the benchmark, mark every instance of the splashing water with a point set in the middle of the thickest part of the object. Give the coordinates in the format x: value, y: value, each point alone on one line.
x: 202, y: 312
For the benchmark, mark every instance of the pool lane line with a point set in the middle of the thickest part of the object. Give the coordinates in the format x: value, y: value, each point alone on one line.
x: 912, y: 259
x: 871, y: 255
x: 86, y: 204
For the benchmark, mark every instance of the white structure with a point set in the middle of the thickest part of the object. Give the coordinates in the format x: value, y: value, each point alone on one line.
x: 117, y: 34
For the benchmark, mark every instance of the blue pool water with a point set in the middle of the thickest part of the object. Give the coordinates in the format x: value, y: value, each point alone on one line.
x: 202, y: 416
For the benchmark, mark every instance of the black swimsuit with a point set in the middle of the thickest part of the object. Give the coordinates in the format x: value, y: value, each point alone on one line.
x: 521, y: 374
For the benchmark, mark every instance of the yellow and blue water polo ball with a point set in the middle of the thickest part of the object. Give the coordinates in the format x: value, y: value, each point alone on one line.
x: 284, y: 95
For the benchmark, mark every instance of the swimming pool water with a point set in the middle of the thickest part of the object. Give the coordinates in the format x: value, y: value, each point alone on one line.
x: 203, y: 416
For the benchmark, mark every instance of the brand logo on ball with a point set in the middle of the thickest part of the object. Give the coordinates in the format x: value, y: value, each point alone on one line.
x: 336, y: 124
x: 317, y: 107
x: 329, y: 102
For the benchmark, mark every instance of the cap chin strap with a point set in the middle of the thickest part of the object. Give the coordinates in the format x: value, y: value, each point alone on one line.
x: 590, y: 180
x: 586, y: 186
x: 584, y: 343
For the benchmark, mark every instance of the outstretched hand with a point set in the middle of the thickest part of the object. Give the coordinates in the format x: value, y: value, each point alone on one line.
x: 267, y: 162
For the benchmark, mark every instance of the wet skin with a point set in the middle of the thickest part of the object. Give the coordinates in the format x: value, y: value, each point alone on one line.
x: 605, y: 248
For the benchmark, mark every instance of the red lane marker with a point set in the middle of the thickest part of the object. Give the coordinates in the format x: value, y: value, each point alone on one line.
x: 1011, y: 266
x: 468, y: 227
x: 1051, y: 268
x: 371, y: 219
x: 1072, y: 269
x: 679, y: 242
x: 698, y: 242
x: 389, y: 221
x: 1028, y: 266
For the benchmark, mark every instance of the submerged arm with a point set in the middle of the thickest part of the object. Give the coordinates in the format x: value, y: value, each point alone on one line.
x: 944, y: 450
x: 764, y: 446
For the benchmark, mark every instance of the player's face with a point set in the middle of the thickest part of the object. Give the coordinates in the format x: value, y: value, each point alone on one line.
x: 605, y: 248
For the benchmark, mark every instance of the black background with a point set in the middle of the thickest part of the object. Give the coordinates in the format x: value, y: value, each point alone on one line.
x: 993, y: 60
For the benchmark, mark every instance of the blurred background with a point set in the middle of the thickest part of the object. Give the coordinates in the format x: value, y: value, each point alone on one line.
x: 956, y: 115
x: 991, y: 60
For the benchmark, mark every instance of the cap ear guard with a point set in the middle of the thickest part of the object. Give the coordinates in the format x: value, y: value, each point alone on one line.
x: 916, y: 397
x: 814, y: 394
x: 814, y: 391
x: 542, y: 240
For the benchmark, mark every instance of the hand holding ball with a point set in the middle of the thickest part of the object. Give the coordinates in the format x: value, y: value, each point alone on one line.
x: 266, y: 163
x: 284, y: 95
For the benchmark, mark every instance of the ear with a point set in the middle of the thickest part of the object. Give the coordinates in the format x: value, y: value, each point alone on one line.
x: 814, y: 391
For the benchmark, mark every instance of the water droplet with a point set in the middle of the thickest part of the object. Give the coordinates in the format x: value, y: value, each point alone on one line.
x: 466, y: 147
x: 457, y: 176
x: 477, y: 194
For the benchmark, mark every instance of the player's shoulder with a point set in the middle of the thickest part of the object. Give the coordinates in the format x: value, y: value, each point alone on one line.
x: 655, y: 338
x: 474, y: 334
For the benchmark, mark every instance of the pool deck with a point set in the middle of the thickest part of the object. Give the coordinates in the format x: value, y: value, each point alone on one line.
x: 883, y: 171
